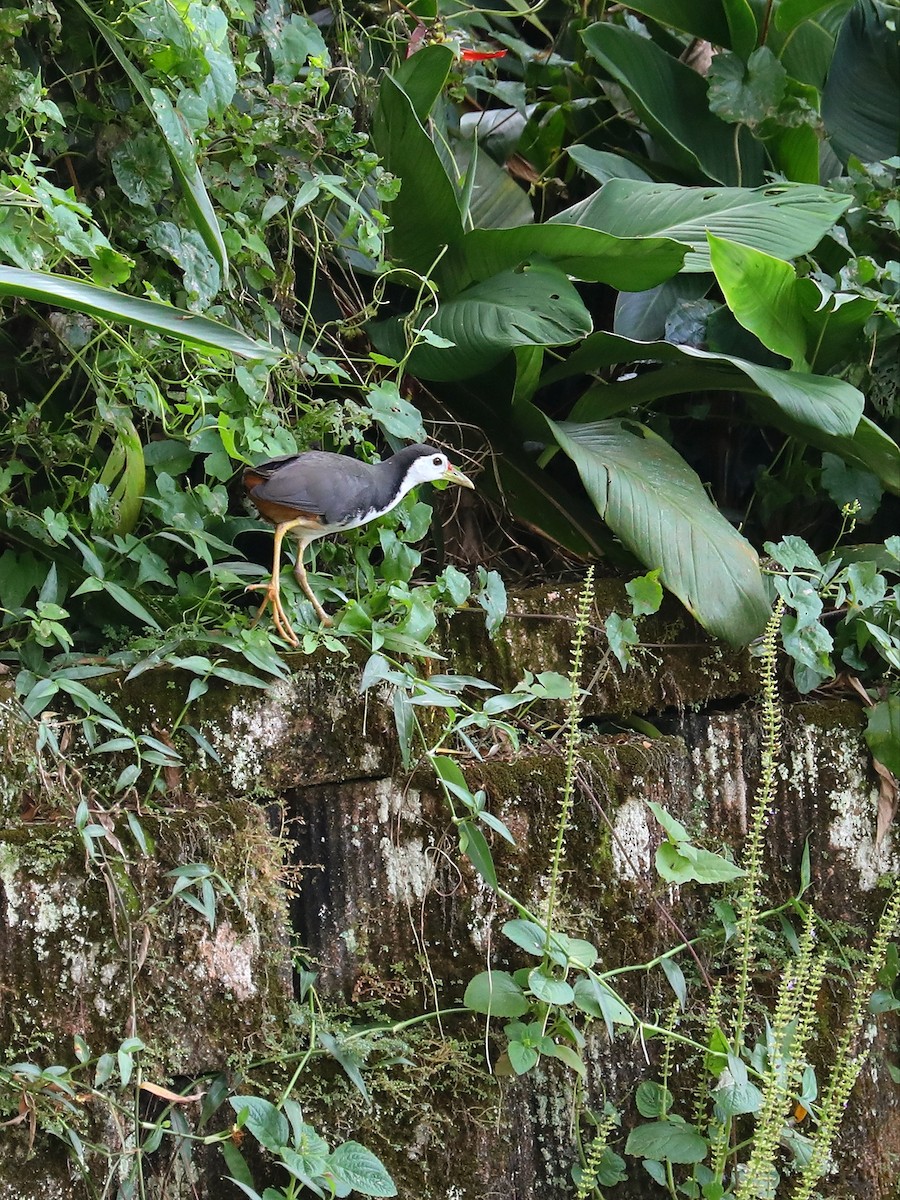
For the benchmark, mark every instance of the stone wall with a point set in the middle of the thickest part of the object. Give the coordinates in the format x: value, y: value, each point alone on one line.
x: 331, y: 848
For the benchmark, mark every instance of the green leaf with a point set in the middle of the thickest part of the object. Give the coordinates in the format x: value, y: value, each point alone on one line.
x: 263, y: 1120
x: 652, y: 1099
x: 746, y: 93
x: 622, y: 634
x: 346, y: 1059
x: 522, y: 1058
x: 666, y: 1141
x: 422, y: 76
x: 425, y: 215
x: 527, y: 935
x: 628, y: 263
x: 179, y: 144
x: 310, y: 1163
x: 473, y: 843
x: 491, y: 596
x: 869, y: 448
x: 646, y: 594
x: 791, y: 13
x: 395, y: 415
x: 741, y: 26
x: 497, y: 201
x: 671, y: 864
x: 536, y: 306
x: 644, y: 315
x: 358, y: 1168
x: 736, y: 1095
x: 706, y: 867
x: 87, y: 699
x: 603, y: 166
x: 816, y: 408
x: 783, y: 219
x: 700, y: 18
x: 883, y: 732
x: 122, y: 597
x: 651, y: 498
x: 671, y: 100
x: 549, y: 989
x: 569, y: 1056
x: 496, y: 994
x: 859, y: 101
x: 237, y: 1165
x: 595, y: 998
x: 677, y: 981
x: 675, y: 831
x: 765, y: 297
x: 62, y: 292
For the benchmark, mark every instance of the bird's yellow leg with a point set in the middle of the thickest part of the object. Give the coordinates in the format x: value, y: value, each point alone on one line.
x: 300, y: 576
x: 272, y: 590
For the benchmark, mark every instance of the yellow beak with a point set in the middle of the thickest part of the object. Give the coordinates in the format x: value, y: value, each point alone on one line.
x: 452, y: 475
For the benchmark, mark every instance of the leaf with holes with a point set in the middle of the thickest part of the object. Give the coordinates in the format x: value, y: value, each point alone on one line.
x: 783, y: 219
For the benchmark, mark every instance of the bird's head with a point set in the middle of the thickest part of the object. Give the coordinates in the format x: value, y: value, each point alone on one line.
x: 430, y: 465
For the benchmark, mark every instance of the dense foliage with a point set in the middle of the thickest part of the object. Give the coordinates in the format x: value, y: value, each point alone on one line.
x: 641, y: 263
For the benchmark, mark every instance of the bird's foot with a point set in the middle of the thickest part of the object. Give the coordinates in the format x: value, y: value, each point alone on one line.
x: 280, y: 620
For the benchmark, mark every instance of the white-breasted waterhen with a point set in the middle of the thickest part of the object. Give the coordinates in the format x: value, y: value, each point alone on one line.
x: 310, y: 495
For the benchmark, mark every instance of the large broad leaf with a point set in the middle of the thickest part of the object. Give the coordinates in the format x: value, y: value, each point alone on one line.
x: 791, y: 13
x: 626, y: 263
x: 762, y: 292
x: 497, y: 201
x: 782, y: 219
x: 671, y: 100
x: 702, y: 18
x: 603, y: 166
x: 426, y: 215
x: 811, y: 402
x: 667, y: 1141
x: 422, y: 77
x: 536, y: 306
x: 657, y: 505
x: 643, y: 315
x: 861, y: 100
x: 109, y: 305
x: 178, y: 142
x: 730, y: 23
x: 787, y: 314
x: 868, y: 447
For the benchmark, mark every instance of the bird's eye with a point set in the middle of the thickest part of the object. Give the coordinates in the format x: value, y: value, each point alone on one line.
x: 438, y: 462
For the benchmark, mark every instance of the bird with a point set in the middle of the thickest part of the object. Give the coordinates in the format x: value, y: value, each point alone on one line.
x: 316, y: 493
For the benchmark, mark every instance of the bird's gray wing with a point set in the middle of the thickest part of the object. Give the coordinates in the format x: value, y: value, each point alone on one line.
x: 314, y: 482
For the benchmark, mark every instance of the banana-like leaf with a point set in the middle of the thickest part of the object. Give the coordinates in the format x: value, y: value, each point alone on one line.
x: 627, y: 263
x: 426, y: 215
x: 422, y: 77
x: 178, y: 142
x: 791, y: 13
x: 109, y: 305
x: 787, y: 314
x: 656, y: 504
x: 704, y: 19
x: 672, y: 102
x: 536, y: 306
x: 861, y: 100
x: 497, y: 201
x: 811, y: 402
x: 603, y: 166
x: 763, y: 293
x: 782, y: 219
